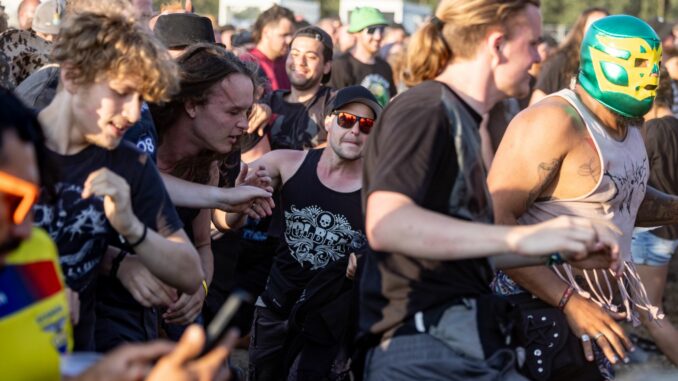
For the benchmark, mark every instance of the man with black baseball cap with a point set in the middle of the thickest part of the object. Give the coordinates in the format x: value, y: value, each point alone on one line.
x: 322, y: 227
x: 299, y: 112
x: 177, y: 31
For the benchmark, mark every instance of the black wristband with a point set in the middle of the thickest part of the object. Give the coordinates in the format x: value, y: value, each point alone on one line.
x: 115, y: 265
x: 141, y: 239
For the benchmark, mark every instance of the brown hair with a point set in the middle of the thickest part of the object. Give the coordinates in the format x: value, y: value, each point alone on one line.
x: 201, y: 67
x: 569, y: 48
x: 664, y: 97
x: 464, y: 24
x: 94, y: 46
x: 272, y: 15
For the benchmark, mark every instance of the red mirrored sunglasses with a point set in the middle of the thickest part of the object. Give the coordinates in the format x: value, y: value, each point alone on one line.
x: 347, y: 120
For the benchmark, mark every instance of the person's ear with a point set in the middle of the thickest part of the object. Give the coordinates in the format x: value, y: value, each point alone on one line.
x: 65, y: 80
x: 495, y: 43
x: 328, y: 123
x: 191, y: 109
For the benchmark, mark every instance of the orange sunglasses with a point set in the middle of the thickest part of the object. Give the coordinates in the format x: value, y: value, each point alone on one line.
x: 24, y: 195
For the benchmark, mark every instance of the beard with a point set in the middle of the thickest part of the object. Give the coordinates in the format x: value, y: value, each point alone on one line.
x: 627, y: 121
x: 303, y: 84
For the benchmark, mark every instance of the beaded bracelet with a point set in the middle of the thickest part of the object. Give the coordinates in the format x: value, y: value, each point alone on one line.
x: 566, y: 297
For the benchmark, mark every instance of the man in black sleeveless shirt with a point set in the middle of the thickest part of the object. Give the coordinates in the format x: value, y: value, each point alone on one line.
x: 323, y: 225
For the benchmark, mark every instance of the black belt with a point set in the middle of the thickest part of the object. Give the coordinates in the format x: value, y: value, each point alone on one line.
x: 422, y: 321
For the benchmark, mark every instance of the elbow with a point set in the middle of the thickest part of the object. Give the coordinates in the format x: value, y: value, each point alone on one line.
x: 377, y: 237
x: 191, y: 273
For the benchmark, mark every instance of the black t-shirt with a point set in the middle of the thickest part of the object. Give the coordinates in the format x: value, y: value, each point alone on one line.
x: 79, y: 226
x: 553, y: 76
x: 411, y: 151
x: 321, y: 226
x: 378, y: 77
x: 661, y: 142
x: 143, y: 134
x: 298, y: 125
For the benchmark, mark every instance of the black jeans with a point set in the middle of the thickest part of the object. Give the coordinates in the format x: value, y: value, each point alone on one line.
x: 267, y: 346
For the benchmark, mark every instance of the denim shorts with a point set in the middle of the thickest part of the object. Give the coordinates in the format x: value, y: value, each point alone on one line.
x: 651, y: 250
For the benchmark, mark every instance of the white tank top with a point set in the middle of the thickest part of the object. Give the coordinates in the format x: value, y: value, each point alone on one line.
x: 615, y: 198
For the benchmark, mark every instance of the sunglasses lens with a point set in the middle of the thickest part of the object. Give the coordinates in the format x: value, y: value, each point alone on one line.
x: 366, y: 125
x: 346, y: 120
x: 373, y: 29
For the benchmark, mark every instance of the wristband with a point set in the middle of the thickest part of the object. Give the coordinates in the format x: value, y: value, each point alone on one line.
x: 566, y: 297
x: 116, y: 263
x: 554, y: 259
x: 204, y: 286
x: 140, y: 240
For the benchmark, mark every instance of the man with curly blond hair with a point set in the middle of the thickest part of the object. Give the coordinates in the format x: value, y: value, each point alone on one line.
x: 104, y: 192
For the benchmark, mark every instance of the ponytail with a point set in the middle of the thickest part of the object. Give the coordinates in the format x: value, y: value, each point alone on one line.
x: 427, y: 55
x: 455, y: 32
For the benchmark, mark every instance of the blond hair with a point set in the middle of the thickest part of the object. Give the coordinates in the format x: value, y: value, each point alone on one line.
x: 94, y: 46
x: 464, y: 25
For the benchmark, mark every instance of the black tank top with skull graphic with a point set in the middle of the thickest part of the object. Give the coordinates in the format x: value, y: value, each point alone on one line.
x: 321, y: 227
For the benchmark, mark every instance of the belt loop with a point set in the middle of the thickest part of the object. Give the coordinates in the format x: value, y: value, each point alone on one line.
x: 468, y: 303
x: 419, y: 322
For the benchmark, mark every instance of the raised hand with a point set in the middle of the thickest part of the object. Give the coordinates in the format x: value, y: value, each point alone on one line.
x: 117, y: 204
x: 575, y: 237
x: 258, y: 118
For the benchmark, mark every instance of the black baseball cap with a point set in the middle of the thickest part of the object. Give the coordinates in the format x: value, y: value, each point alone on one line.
x: 179, y: 30
x: 322, y: 36
x: 355, y: 94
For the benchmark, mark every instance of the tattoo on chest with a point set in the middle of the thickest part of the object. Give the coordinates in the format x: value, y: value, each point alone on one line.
x: 590, y: 169
x: 547, y: 171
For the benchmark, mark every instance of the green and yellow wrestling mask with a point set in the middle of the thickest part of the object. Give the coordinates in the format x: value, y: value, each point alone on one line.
x: 619, y: 64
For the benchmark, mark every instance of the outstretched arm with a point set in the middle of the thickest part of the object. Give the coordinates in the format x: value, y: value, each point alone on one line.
x: 657, y: 209
x: 192, y: 195
x: 396, y: 224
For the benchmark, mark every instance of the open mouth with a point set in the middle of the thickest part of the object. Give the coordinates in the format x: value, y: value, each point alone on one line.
x: 650, y: 87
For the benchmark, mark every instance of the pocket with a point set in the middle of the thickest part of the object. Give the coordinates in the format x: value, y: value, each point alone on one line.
x: 457, y: 328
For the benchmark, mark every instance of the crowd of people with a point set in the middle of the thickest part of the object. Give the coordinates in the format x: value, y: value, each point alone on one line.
x: 473, y: 201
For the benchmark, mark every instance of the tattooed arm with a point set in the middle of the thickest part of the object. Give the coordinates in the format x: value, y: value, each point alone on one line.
x: 658, y: 208
x: 526, y: 168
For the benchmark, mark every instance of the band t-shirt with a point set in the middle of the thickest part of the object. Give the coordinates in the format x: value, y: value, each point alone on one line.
x: 79, y: 227
x: 321, y: 226
x: 35, y: 324
x: 378, y: 77
x: 661, y: 142
x: 298, y: 125
x: 411, y: 151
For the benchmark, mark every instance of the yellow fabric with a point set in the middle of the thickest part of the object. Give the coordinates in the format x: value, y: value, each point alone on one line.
x: 30, y: 338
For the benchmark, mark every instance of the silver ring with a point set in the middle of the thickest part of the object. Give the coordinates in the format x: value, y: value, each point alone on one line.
x: 585, y: 338
x: 597, y: 336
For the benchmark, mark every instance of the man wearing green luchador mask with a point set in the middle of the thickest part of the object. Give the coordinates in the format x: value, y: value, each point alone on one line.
x: 578, y: 152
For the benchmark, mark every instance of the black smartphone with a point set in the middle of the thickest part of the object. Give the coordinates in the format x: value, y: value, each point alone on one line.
x: 218, y: 327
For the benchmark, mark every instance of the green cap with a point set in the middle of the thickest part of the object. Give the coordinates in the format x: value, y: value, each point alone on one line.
x: 365, y: 17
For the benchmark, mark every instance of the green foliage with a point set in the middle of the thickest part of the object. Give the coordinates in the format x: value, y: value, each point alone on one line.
x: 204, y: 7
x: 554, y: 11
x: 566, y: 11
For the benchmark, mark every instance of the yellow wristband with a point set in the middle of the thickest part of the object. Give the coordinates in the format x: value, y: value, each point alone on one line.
x: 204, y: 286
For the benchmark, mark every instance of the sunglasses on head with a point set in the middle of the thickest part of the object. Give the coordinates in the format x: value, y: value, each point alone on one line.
x: 372, y: 29
x: 19, y: 194
x: 347, y: 120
